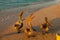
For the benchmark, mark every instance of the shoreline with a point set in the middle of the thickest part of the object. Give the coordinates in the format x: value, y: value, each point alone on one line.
x: 34, y: 3
x: 29, y: 6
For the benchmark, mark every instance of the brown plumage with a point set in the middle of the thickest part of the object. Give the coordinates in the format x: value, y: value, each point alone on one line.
x: 45, y: 25
x: 29, y: 31
x: 29, y: 20
x: 19, y: 23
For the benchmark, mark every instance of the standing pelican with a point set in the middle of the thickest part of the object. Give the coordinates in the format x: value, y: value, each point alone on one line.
x: 45, y: 26
x: 19, y: 23
x: 29, y: 31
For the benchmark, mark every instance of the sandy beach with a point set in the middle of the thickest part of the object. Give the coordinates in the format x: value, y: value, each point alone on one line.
x: 53, y: 14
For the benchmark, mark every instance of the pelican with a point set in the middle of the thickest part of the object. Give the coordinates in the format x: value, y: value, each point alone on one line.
x: 29, y: 31
x: 19, y: 23
x: 45, y: 26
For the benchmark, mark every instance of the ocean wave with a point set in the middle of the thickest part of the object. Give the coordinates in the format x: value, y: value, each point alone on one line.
x: 6, y: 4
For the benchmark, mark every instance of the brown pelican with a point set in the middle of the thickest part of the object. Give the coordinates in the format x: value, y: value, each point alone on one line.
x: 19, y: 23
x: 45, y: 26
x: 29, y: 31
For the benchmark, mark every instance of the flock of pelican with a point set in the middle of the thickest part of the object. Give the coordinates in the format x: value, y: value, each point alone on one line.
x: 30, y: 31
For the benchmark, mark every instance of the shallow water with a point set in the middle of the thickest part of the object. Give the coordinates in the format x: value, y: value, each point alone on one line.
x: 5, y: 4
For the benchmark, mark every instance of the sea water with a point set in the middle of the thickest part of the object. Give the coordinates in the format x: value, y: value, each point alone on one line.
x: 6, y: 4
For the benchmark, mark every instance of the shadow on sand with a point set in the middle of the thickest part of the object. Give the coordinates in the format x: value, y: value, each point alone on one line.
x: 9, y: 34
x: 37, y: 28
x: 56, y: 27
x: 53, y: 29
